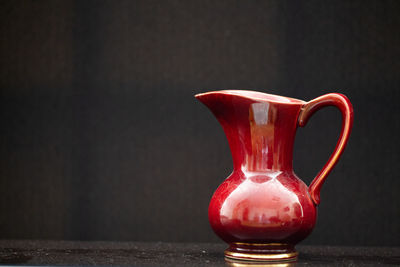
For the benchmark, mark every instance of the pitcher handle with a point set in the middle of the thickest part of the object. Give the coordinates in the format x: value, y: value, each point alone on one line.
x: 343, y: 104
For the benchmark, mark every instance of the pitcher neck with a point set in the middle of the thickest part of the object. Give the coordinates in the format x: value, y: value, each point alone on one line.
x: 260, y: 131
x: 262, y: 147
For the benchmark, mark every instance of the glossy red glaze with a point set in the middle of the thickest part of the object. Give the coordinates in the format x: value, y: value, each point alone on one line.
x: 263, y: 201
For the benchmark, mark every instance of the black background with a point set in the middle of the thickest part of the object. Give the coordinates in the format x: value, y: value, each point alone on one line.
x: 102, y: 139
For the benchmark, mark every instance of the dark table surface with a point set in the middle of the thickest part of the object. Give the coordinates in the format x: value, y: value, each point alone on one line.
x: 176, y: 254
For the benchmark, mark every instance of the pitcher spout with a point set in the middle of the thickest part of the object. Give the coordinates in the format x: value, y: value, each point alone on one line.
x: 247, y: 94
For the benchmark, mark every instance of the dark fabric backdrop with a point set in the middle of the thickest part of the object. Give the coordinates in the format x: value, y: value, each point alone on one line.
x: 102, y: 139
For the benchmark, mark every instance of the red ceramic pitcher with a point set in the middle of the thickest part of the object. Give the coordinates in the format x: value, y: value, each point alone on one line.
x: 262, y: 210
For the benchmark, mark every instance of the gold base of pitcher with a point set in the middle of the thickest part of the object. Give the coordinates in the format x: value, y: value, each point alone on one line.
x: 242, y: 263
x: 267, y: 253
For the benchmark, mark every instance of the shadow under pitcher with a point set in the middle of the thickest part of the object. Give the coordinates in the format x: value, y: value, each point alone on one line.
x: 262, y: 210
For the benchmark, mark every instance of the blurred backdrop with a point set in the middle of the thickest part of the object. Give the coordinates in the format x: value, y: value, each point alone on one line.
x: 102, y: 139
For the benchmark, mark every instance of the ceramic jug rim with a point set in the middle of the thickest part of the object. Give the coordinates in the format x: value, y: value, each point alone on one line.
x: 254, y: 95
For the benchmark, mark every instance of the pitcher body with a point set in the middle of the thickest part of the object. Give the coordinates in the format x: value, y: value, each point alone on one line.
x: 262, y: 208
